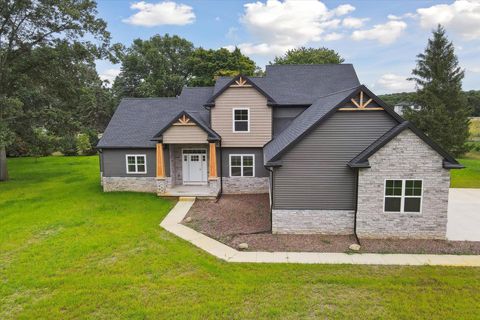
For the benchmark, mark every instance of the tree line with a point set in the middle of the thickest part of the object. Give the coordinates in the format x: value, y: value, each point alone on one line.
x: 472, y: 96
x: 52, y: 98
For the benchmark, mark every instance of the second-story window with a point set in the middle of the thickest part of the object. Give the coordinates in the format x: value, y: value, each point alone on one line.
x: 241, y: 120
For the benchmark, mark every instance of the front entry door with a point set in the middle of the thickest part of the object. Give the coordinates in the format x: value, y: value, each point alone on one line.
x: 194, y: 166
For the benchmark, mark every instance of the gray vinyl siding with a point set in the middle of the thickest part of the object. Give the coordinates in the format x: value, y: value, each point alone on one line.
x: 114, y: 162
x: 283, y: 116
x: 260, y: 170
x: 314, y: 174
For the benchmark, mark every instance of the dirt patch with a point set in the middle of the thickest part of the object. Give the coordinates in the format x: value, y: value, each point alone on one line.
x: 236, y: 219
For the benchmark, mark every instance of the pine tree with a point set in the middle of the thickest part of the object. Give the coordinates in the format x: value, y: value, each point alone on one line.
x: 444, y: 113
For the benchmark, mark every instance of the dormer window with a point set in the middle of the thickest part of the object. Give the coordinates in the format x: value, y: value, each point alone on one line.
x: 241, y: 120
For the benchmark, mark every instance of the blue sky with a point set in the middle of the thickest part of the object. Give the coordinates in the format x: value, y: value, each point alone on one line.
x: 380, y: 38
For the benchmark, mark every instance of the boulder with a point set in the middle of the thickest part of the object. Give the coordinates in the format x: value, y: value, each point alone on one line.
x: 354, y: 247
x: 243, y: 246
x: 188, y: 219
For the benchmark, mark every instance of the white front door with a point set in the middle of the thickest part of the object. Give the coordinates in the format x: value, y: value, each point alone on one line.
x: 194, y: 166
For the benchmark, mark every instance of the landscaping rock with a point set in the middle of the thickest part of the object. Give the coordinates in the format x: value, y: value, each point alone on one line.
x: 188, y: 219
x: 243, y: 246
x: 354, y: 247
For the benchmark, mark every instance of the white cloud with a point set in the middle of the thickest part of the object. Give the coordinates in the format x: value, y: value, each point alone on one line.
x: 395, y: 83
x: 462, y: 17
x: 384, y: 33
x: 333, y: 36
x: 343, y: 9
x: 279, y: 25
x: 161, y: 13
x: 354, y: 23
x: 232, y: 33
x: 109, y: 75
x: 261, y: 48
x: 217, y: 18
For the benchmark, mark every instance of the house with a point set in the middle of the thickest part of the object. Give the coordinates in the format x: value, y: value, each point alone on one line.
x: 333, y: 157
x: 400, y: 107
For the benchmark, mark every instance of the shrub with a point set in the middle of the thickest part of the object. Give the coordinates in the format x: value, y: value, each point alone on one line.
x: 83, y: 144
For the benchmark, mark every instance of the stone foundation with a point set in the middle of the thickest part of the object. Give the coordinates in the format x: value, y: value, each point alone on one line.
x: 214, y: 185
x: 137, y: 184
x: 239, y: 185
x: 405, y: 157
x: 312, y: 221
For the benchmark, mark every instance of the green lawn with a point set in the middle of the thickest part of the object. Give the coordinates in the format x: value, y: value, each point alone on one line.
x: 469, y: 177
x: 69, y: 251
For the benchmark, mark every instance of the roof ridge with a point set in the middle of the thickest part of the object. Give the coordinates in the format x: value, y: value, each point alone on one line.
x: 147, y: 98
x: 331, y: 94
x: 309, y: 64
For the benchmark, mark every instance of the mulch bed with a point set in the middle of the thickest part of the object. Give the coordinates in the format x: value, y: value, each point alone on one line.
x: 236, y: 219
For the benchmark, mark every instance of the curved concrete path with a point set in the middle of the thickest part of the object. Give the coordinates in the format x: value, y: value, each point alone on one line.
x: 172, y: 223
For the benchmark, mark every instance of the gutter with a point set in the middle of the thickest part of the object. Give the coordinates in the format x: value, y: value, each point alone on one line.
x: 356, y: 208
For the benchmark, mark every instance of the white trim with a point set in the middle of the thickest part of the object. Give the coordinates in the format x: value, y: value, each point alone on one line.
x: 403, y: 196
x: 233, y: 120
x: 241, y: 166
x: 136, y: 163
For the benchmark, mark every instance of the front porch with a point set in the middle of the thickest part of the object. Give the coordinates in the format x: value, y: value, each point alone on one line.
x: 187, y: 170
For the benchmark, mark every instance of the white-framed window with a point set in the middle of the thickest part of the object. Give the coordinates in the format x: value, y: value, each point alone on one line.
x: 136, y: 163
x: 242, y: 165
x: 403, y: 195
x: 241, y: 120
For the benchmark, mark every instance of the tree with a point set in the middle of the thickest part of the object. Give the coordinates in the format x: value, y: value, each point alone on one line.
x: 162, y: 65
x: 208, y: 64
x: 438, y: 77
x: 28, y: 31
x: 156, y: 67
x: 309, y: 56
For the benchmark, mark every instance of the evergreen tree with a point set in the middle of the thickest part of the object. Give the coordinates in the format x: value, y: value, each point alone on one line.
x: 444, y: 113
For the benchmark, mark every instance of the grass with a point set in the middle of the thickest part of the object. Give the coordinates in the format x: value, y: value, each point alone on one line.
x: 475, y: 129
x: 69, y: 251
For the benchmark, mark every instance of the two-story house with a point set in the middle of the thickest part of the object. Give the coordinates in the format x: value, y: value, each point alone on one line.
x: 332, y: 156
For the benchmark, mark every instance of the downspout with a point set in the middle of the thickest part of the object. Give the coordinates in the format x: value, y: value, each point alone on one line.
x: 356, y: 207
x: 221, y: 172
x: 271, y: 200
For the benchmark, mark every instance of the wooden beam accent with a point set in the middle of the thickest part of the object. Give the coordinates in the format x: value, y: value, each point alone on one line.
x: 212, y: 162
x: 160, y: 162
x: 355, y: 102
x: 367, y: 103
x: 360, y: 109
x: 361, y: 99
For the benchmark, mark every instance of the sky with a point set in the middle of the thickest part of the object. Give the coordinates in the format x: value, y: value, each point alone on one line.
x: 380, y: 38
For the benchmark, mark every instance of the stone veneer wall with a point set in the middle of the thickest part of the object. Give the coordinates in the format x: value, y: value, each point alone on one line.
x: 404, y: 157
x: 312, y: 221
x: 138, y: 184
x: 238, y: 185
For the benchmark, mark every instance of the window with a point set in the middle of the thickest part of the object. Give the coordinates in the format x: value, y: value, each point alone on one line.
x: 242, y: 165
x: 241, y: 120
x: 403, y: 196
x: 136, y: 163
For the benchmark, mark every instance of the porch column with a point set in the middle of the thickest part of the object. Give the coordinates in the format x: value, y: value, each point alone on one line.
x: 160, y: 162
x: 212, y: 165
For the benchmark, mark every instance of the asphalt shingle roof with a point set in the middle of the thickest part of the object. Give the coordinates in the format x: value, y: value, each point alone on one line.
x: 137, y: 120
x: 303, y: 122
x: 361, y: 160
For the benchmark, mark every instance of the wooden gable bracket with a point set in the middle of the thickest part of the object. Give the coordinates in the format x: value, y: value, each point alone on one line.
x: 184, y: 121
x: 240, y: 82
x: 361, y: 105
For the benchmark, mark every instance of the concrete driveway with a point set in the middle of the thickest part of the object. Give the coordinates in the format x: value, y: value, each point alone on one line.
x: 464, y: 214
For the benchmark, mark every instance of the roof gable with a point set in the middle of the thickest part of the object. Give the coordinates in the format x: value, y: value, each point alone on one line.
x: 185, y: 118
x: 239, y: 81
x: 318, y: 112
x: 361, y: 160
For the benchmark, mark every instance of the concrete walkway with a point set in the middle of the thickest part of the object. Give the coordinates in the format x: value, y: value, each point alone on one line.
x: 463, y: 215
x: 172, y: 223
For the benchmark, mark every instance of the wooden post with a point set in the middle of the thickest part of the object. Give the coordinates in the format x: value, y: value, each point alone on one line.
x: 212, y: 166
x: 160, y: 161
